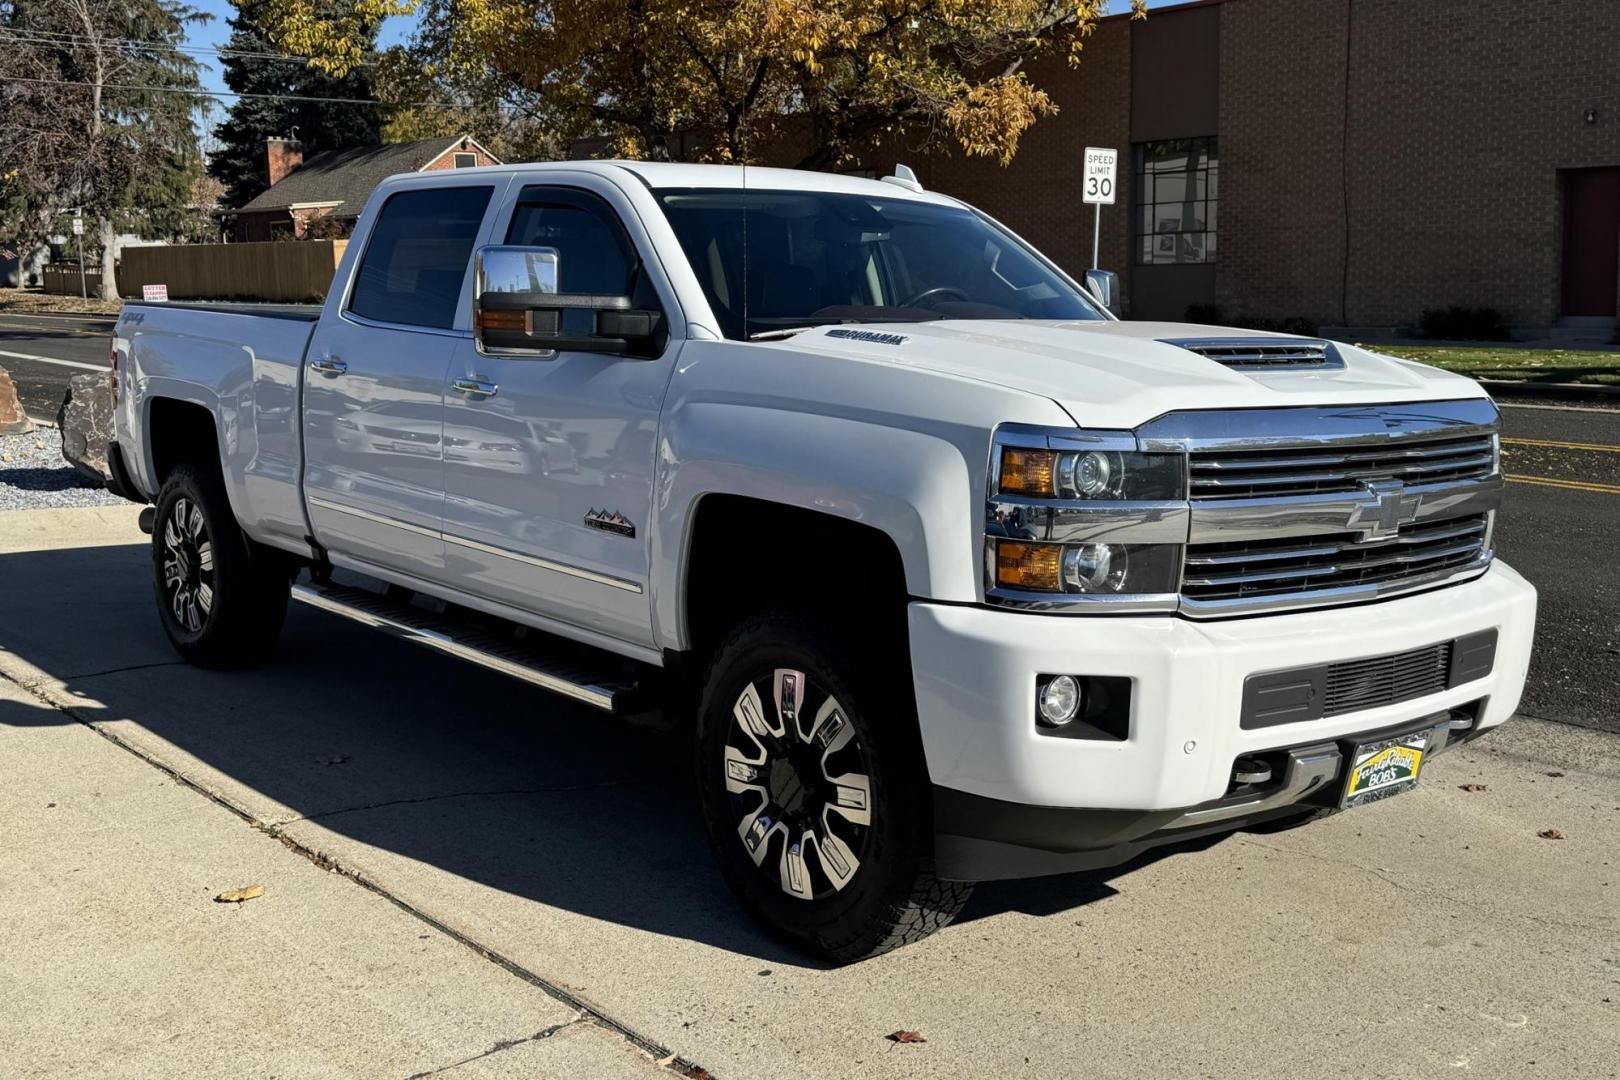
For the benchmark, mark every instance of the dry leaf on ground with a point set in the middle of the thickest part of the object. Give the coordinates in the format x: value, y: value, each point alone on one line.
x: 905, y: 1037
x: 237, y: 896
x: 1551, y: 834
x: 1555, y: 774
x: 1473, y: 787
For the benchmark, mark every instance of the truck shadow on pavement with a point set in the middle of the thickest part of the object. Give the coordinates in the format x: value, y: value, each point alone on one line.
x: 405, y: 751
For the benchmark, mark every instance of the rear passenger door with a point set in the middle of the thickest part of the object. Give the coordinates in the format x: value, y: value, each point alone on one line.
x: 374, y: 381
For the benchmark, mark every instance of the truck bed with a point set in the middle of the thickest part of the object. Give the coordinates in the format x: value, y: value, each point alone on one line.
x: 299, y: 312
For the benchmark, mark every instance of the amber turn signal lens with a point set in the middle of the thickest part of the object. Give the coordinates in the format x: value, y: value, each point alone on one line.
x: 502, y: 320
x: 1028, y: 472
x: 1029, y: 566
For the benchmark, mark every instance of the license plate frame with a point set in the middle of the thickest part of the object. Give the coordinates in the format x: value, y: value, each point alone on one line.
x: 1385, y: 767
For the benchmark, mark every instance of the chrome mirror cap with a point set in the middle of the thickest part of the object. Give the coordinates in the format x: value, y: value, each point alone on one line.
x: 1103, y: 285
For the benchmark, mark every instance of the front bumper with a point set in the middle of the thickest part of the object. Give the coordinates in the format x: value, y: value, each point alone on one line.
x: 975, y: 671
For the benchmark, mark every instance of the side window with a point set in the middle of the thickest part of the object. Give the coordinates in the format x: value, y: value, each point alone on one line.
x: 593, y: 253
x: 416, y: 259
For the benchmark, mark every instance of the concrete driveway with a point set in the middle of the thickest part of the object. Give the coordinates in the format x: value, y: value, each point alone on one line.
x: 465, y: 864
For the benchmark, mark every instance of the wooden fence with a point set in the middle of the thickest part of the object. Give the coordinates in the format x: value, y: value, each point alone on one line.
x: 64, y: 280
x: 288, y: 271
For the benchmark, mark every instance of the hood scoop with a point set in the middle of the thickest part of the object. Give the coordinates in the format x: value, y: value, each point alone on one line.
x: 1263, y: 353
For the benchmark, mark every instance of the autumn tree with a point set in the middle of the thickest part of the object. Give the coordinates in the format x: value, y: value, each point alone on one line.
x: 717, y: 79
x: 95, y: 114
x: 274, y: 84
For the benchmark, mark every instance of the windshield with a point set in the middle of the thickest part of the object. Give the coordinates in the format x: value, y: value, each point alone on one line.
x: 823, y: 257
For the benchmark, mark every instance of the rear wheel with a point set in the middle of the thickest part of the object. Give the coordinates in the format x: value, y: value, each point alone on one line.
x: 221, y: 597
x: 814, y: 790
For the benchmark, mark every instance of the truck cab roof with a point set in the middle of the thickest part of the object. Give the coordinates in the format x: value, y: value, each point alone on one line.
x: 666, y: 175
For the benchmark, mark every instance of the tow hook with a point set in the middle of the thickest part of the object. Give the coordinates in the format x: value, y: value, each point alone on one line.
x: 147, y: 518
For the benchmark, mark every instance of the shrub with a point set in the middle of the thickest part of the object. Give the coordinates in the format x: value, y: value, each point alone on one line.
x: 1457, y: 323
x: 1211, y: 315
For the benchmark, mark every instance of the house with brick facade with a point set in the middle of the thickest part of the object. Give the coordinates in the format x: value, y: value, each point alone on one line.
x: 1348, y: 163
x: 331, y: 188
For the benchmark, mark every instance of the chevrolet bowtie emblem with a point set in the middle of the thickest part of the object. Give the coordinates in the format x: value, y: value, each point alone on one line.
x: 1383, y: 511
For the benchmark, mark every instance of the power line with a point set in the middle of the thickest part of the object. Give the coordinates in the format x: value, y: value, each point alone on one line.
x: 240, y: 94
x: 51, y: 37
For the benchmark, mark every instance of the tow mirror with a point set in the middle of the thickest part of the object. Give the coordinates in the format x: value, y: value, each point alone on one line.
x: 1103, y: 285
x: 517, y: 310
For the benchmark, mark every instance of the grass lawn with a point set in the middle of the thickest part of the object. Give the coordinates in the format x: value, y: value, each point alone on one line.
x: 1527, y: 365
x: 34, y: 301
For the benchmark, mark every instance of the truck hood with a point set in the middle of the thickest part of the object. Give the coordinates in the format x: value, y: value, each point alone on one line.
x: 1123, y: 374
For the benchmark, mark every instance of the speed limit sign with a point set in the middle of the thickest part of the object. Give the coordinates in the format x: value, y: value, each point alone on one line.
x: 1098, y: 183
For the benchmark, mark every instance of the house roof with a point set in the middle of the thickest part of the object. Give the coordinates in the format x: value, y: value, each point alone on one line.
x: 347, y: 177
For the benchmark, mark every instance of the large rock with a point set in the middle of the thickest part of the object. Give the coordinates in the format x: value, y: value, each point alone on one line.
x: 86, y: 420
x: 13, y: 421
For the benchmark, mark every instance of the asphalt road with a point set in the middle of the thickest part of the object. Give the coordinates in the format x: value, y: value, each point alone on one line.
x: 1560, y: 528
x: 42, y: 352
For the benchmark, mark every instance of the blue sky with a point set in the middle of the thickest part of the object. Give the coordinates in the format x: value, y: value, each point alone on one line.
x: 214, y: 34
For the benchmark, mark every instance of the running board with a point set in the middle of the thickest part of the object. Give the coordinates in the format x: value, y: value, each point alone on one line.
x: 563, y: 669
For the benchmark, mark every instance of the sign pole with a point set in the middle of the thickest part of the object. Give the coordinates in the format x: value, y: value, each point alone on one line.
x: 1097, y: 188
x: 1096, y: 235
x: 78, y: 242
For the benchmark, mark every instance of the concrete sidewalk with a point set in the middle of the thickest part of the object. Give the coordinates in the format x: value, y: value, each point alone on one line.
x: 1432, y: 935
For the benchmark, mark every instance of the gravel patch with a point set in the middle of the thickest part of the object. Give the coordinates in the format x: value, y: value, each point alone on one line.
x: 34, y: 475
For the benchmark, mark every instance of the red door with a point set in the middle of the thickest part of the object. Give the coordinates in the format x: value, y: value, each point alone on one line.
x: 1591, y: 241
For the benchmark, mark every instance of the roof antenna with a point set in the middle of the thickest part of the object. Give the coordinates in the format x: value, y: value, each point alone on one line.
x: 904, y: 177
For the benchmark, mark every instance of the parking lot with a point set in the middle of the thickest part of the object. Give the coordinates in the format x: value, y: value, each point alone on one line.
x: 467, y: 877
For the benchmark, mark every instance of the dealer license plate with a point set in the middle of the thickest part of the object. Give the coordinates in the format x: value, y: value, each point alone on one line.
x: 1381, y: 769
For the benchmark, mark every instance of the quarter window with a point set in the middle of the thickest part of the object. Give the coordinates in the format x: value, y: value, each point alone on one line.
x: 1177, y: 186
x: 416, y: 260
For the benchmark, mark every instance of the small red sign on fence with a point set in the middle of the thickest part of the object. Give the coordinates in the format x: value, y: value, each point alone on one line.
x: 154, y: 293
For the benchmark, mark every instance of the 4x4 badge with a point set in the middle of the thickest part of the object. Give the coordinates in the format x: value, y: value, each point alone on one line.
x: 611, y: 521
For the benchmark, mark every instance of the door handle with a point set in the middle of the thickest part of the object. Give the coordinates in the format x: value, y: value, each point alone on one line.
x: 330, y: 366
x: 475, y: 388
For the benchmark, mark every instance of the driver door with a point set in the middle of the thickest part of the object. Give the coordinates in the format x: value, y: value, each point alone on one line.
x: 549, y: 458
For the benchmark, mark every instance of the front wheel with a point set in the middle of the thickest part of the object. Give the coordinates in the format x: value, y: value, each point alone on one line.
x: 221, y: 598
x: 814, y: 790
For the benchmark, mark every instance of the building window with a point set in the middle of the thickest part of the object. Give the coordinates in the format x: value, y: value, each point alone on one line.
x: 1177, y: 188
x: 466, y: 161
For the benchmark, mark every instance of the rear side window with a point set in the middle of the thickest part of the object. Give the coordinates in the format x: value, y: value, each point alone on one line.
x: 416, y: 260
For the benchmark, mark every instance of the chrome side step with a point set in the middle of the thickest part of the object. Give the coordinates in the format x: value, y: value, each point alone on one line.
x: 554, y: 669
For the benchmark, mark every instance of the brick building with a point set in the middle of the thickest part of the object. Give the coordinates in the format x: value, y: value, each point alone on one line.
x: 334, y: 186
x: 1350, y: 162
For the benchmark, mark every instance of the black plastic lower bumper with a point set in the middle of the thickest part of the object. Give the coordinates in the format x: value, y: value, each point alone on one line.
x: 982, y: 839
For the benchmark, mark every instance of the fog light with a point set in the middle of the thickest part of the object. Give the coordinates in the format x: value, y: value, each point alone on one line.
x: 1060, y: 701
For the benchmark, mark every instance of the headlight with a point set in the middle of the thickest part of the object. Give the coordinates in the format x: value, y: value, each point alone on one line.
x: 1092, y: 474
x: 1097, y: 569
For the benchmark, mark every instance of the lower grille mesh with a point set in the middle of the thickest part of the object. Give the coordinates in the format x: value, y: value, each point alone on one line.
x: 1353, y: 685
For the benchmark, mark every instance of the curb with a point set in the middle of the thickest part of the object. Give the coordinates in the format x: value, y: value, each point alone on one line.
x: 1579, y: 391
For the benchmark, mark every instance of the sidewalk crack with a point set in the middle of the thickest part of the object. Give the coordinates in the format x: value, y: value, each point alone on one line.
x: 500, y: 1047
x: 494, y: 793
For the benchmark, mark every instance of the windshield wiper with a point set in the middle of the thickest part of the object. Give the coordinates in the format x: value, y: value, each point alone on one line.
x: 774, y: 335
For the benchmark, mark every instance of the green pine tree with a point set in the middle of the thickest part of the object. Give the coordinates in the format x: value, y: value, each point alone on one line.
x: 240, y: 162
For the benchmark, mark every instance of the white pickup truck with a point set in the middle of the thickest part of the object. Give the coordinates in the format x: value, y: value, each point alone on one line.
x: 954, y: 575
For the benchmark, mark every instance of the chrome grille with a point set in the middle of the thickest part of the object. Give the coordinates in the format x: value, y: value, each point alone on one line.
x: 1353, y: 685
x: 1242, y: 474
x: 1273, y: 352
x: 1293, y: 565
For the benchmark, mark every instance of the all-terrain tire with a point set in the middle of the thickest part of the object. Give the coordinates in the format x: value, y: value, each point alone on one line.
x: 893, y: 897
x: 221, y: 597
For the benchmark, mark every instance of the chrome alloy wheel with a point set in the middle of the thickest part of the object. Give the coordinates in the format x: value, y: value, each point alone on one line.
x: 188, y: 565
x: 799, y: 784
